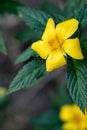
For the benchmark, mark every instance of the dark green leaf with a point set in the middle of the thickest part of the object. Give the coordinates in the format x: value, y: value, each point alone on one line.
x: 72, y: 9
x: 84, y: 23
x: 58, y: 18
x: 46, y: 121
x: 28, y: 75
x: 84, y: 47
x: 54, y: 11
x: 10, y: 6
x: 28, y: 35
x: 82, y: 16
x: 77, y: 82
x: 83, y: 34
x: 51, y: 8
x: 35, y: 19
x: 46, y: 118
x: 2, y: 45
x: 82, y: 13
x: 55, y: 97
x: 26, y: 55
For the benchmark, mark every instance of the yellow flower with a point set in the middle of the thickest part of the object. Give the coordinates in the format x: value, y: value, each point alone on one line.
x: 55, y: 43
x: 73, y: 118
x: 2, y: 92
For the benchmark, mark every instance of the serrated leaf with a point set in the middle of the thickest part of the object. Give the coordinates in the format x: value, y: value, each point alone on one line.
x: 35, y: 19
x: 82, y: 16
x: 82, y: 13
x: 28, y: 75
x: 77, y: 82
x: 84, y: 23
x: 2, y: 45
x: 71, y: 10
x: 26, y: 55
x: 55, y: 12
x: 27, y: 35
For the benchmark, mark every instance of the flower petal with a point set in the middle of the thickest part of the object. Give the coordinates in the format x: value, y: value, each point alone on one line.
x: 66, y: 29
x: 55, y: 60
x: 72, y: 48
x: 50, y: 31
x: 70, y: 126
x: 42, y: 48
x: 66, y: 113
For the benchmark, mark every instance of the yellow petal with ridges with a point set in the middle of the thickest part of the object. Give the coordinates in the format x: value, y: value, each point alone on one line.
x: 55, y: 60
x: 66, y: 29
x: 72, y: 48
x: 42, y: 48
x: 50, y: 31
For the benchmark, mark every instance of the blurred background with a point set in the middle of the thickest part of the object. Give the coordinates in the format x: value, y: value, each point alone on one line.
x: 18, y: 110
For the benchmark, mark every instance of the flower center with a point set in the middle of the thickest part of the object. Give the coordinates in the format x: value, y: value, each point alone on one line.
x: 78, y: 119
x: 55, y: 44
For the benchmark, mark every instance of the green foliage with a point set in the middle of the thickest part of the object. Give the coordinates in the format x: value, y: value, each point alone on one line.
x: 9, y: 6
x: 50, y: 120
x: 84, y: 23
x: 28, y: 75
x: 46, y: 121
x: 2, y: 45
x: 84, y: 47
x: 55, y: 12
x: 28, y: 35
x: 54, y: 97
x: 77, y: 82
x: 82, y: 16
x: 51, y: 8
x: 35, y: 69
x: 26, y: 55
x: 72, y: 8
x: 4, y: 101
x: 35, y: 19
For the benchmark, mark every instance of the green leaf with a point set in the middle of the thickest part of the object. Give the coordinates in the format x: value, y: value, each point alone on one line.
x: 55, y: 12
x: 2, y: 45
x: 82, y: 16
x: 26, y: 55
x: 46, y: 121
x: 84, y: 23
x: 10, y: 6
x: 61, y: 93
x: 58, y: 18
x: 28, y: 75
x: 71, y: 10
x: 27, y: 35
x: 77, y: 82
x: 82, y: 13
x: 84, y: 47
x: 35, y: 19
x: 83, y: 35
x: 46, y: 118
x: 51, y: 8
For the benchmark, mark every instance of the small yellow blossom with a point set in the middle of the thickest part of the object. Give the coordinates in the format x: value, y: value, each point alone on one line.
x: 2, y: 92
x: 73, y: 118
x: 55, y: 43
